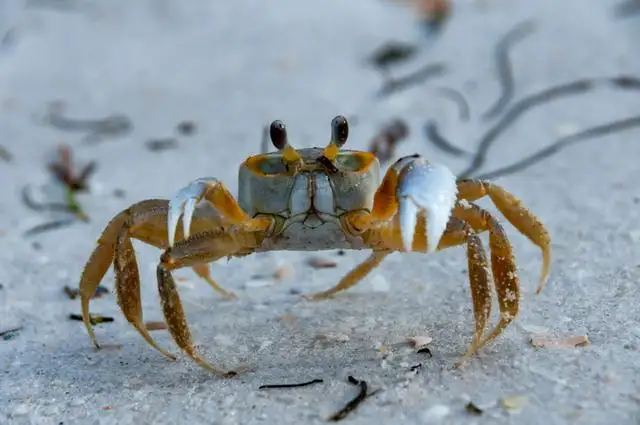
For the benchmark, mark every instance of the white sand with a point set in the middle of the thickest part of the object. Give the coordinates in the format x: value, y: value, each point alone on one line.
x: 232, y: 69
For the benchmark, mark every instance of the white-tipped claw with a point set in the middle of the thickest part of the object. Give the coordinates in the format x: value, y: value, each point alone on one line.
x: 184, y: 204
x: 424, y: 188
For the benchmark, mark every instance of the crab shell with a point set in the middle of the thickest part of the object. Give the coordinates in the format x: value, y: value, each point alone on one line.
x: 308, y: 205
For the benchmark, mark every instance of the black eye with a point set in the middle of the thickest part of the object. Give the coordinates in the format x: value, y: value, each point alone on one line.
x: 339, y: 130
x: 278, y: 133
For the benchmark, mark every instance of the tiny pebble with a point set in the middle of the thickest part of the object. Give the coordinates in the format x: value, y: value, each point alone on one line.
x: 436, y: 413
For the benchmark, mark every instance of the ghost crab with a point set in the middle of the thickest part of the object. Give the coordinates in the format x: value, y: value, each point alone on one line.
x: 316, y: 199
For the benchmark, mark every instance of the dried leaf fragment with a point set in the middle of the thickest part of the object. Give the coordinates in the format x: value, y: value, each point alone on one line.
x: 155, y: 326
x: 514, y: 404
x: 322, y: 263
x: 544, y: 341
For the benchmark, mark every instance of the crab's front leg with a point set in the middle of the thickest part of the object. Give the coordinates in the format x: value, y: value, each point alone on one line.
x: 212, y: 190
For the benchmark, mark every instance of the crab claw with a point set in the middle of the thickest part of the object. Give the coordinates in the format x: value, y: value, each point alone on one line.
x: 424, y: 189
x: 184, y: 204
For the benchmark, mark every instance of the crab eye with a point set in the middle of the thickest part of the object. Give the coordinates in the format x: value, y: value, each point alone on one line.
x: 278, y: 134
x: 339, y: 130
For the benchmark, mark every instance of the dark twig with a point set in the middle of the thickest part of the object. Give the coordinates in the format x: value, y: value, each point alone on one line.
x: 52, y: 225
x: 163, y: 144
x: 6, y: 334
x: 73, y: 293
x: 390, y: 53
x: 516, y: 111
x: 64, y: 172
x: 458, y: 99
x: 393, y: 85
x: 627, y: 8
x: 265, y: 143
x: 36, y: 206
x: 354, y: 403
x: 505, y: 72
x: 5, y: 154
x: 434, y: 136
x: 303, y: 384
x: 95, y: 318
x: 562, y: 143
x: 385, y: 141
x: 523, y: 105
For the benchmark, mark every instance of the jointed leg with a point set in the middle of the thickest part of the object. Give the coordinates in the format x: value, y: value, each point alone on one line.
x: 203, y: 271
x: 203, y: 247
x: 503, y: 266
x: 128, y: 288
x: 353, y: 277
x: 145, y: 221
x: 457, y: 233
x: 521, y: 218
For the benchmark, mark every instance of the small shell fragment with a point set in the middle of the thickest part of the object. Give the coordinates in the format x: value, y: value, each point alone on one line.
x: 544, y: 341
x: 283, y: 272
x: 514, y: 404
x: 419, y: 342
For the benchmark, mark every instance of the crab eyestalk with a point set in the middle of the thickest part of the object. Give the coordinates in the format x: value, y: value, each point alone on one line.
x: 280, y: 140
x: 339, y: 136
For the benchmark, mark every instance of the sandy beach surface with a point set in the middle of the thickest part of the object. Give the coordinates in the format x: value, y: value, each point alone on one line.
x: 189, y: 87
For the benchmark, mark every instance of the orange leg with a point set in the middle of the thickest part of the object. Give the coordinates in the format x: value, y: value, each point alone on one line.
x: 520, y: 217
x: 144, y: 221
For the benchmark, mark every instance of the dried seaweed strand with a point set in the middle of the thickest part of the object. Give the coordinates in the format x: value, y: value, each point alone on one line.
x: 51, y: 225
x: 394, y: 85
x: 5, y: 154
x: 354, y: 403
x: 37, y: 206
x: 459, y: 99
x: 10, y: 331
x: 516, y: 111
x: 562, y: 143
x: 627, y: 9
x: 624, y: 82
x: 505, y: 72
x: 303, y: 384
x: 434, y: 136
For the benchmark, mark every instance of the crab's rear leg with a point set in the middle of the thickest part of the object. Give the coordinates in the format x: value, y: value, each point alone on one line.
x: 520, y: 217
x: 457, y: 233
x: 503, y: 265
x: 145, y: 221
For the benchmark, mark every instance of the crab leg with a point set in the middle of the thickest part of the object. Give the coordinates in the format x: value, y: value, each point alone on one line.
x: 521, y: 218
x: 128, y: 289
x: 457, y: 233
x: 503, y: 265
x: 145, y: 221
x: 203, y: 247
x: 353, y: 277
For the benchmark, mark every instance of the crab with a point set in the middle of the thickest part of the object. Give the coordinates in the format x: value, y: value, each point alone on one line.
x: 309, y: 199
